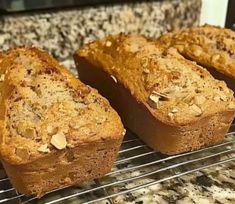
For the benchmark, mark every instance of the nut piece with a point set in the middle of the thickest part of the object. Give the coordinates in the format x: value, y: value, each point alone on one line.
x: 174, y: 110
x: 22, y: 153
x: 220, y: 97
x: 146, y: 71
x: 114, y: 78
x: 199, y: 99
x: 155, y: 97
x: 108, y: 44
x: 2, y: 77
x: 44, y: 148
x: 188, y: 98
x: 59, y: 141
x: 124, y: 132
x: 170, y: 114
x: 197, y: 110
x: 223, y: 97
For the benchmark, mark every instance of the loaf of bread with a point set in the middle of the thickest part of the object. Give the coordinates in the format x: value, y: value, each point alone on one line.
x: 171, y: 103
x: 55, y: 131
x: 210, y: 46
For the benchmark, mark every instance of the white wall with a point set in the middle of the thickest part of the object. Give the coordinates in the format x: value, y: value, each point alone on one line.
x: 214, y: 12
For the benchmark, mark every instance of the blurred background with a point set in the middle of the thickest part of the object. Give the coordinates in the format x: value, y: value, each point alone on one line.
x: 60, y: 26
x: 208, y: 14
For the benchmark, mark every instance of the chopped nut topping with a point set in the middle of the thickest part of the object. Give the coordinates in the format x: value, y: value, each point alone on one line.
x: 223, y: 97
x: 199, y: 99
x: 22, y: 153
x: 188, y: 98
x: 59, y: 141
x: 197, y: 110
x: 162, y: 96
x: 215, y: 57
x: 146, y: 71
x: 114, y: 78
x: 44, y: 148
x: 220, y: 97
x: 2, y: 77
x: 170, y: 114
x: 155, y: 97
x: 108, y: 43
x: 174, y: 110
x: 124, y: 132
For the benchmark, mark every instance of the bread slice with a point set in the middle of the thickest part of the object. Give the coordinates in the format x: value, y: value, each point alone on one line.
x: 210, y: 46
x: 55, y: 130
x: 171, y: 103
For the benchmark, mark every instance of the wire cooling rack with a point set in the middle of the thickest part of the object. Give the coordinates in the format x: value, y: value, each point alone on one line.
x: 136, y: 167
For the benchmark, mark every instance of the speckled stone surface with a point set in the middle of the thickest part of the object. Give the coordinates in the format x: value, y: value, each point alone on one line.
x: 62, y: 32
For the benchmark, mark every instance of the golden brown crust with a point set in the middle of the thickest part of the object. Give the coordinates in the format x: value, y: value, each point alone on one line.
x: 147, y: 70
x: 210, y: 46
x: 63, y: 168
x: 106, y: 69
x: 74, y: 117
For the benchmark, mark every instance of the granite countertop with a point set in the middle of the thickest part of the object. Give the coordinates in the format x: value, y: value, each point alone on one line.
x: 62, y: 32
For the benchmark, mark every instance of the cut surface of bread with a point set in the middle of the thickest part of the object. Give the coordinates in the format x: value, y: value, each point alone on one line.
x: 210, y: 46
x: 55, y: 130
x: 165, y: 99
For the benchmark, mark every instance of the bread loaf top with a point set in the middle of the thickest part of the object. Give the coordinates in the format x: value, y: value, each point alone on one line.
x: 208, y: 45
x: 44, y: 108
x: 175, y: 90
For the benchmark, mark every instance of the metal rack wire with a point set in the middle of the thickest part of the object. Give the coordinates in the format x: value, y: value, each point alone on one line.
x: 137, y: 166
